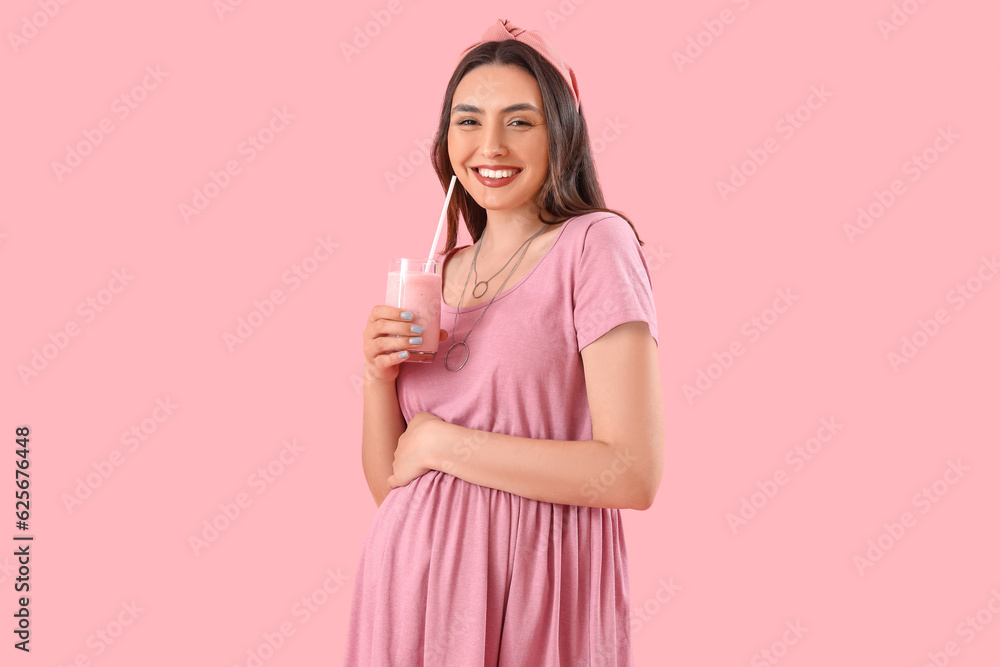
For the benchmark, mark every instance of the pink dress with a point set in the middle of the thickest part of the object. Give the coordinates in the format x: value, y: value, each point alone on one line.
x: 456, y: 574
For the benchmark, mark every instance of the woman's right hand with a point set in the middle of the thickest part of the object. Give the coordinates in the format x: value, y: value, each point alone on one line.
x: 381, y: 346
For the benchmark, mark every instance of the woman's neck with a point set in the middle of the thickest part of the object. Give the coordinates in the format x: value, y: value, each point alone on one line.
x: 507, y: 230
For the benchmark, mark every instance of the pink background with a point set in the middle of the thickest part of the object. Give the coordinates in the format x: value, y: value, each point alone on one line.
x: 317, y: 197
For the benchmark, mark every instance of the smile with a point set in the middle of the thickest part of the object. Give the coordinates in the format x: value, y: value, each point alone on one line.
x: 495, y: 178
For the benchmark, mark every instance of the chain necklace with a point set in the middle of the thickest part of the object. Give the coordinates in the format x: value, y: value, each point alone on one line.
x: 486, y: 283
x: 458, y: 307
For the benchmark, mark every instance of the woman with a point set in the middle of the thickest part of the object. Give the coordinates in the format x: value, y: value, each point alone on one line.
x: 500, y: 467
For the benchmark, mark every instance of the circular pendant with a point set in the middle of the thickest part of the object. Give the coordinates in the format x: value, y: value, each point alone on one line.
x: 447, y: 355
x: 475, y: 288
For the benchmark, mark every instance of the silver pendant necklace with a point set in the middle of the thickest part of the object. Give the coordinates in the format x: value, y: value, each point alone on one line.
x: 486, y: 283
x: 463, y: 342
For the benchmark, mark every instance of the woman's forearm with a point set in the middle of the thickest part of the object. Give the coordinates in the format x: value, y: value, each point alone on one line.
x: 589, y: 473
x: 382, y: 424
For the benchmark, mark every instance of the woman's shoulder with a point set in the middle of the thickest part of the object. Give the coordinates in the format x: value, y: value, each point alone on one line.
x: 601, y: 225
x: 444, y: 256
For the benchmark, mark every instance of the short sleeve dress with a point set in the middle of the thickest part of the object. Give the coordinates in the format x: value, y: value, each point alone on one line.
x: 456, y: 574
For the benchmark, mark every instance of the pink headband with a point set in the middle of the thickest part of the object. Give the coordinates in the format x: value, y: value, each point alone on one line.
x: 503, y: 30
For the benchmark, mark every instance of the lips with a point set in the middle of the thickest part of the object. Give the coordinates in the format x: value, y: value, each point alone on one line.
x: 496, y: 177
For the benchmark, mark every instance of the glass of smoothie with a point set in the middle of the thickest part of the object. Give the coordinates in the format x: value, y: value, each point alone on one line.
x: 415, y: 285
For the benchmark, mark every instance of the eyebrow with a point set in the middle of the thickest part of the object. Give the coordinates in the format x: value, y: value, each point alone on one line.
x: 470, y: 108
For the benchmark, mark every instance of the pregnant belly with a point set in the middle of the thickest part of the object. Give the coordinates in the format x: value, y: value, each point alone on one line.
x: 439, y: 515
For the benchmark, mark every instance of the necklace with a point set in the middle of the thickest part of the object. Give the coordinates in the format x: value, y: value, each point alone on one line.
x: 486, y: 283
x: 464, y: 342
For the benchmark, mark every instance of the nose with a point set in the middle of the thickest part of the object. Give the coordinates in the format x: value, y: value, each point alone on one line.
x: 493, y: 140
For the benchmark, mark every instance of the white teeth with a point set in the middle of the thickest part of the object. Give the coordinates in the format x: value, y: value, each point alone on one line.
x: 503, y: 173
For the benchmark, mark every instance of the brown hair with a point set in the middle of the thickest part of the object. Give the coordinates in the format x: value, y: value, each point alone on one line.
x: 570, y: 188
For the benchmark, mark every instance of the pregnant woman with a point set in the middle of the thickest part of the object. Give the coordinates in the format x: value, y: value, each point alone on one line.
x: 500, y: 468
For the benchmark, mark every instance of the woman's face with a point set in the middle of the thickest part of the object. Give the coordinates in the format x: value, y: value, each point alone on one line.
x: 498, y: 123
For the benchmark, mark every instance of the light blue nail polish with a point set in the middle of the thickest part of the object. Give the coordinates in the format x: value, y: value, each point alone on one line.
x: 403, y: 355
x: 417, y: 329
x: 407, y: 315
x: 416, y: 341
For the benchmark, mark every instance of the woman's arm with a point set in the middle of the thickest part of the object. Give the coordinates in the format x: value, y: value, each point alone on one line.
x: 381, y: 427
x: 382, y: 420
x: 620, y: 468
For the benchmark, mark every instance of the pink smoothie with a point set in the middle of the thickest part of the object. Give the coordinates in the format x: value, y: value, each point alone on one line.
x: 420, y: 293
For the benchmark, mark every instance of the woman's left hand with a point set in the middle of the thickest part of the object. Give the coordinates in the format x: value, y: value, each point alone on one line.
x: 413, y: 447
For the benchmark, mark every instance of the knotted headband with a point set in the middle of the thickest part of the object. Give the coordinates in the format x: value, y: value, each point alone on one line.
x: 503, y: 30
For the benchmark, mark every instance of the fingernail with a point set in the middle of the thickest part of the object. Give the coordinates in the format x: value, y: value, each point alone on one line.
x: 416, y: 341
x: 416, y: 328
x: 407, y: 315
x: 403, y: 355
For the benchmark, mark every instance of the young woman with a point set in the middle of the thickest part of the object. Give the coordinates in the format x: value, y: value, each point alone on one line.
x: 501, y: 467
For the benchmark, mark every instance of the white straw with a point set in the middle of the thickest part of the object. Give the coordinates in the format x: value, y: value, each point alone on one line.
x: 444, y: 214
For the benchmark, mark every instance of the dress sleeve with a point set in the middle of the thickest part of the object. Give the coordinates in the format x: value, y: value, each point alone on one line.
x: 611, y: 283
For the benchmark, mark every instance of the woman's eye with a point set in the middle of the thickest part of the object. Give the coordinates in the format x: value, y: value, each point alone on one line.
x: 471, y: 121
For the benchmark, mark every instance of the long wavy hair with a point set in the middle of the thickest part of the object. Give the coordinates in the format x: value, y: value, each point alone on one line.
x: 570, y: 188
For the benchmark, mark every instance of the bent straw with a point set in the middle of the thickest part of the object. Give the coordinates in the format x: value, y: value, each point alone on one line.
x: 444, y: 213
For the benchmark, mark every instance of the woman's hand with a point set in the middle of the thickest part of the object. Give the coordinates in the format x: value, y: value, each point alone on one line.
x: 422, y: 433
x: 381, y: 346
